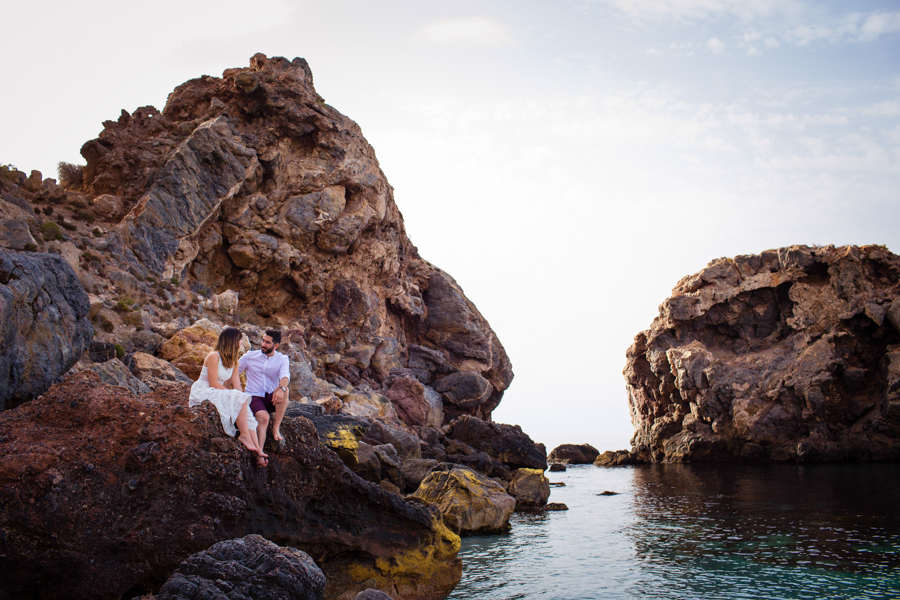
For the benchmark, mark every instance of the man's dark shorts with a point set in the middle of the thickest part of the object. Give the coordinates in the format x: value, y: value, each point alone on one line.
x: 258, y: 403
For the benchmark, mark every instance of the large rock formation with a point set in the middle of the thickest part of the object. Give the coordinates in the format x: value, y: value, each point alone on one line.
x: 43, y: 323
x: 791, y: 355
x: 103, y: 494
x: 251, y: 183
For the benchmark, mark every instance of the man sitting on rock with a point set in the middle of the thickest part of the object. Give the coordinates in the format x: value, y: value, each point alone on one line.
x: 268, y: 375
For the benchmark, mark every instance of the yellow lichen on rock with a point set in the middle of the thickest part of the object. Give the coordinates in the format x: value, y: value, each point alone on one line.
x: 344, y: 443
x: 479, y: 504
x: 428, y: 572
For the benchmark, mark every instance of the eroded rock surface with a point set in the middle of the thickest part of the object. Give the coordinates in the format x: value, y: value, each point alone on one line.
x: 43, y: 323
x: 475, y: 503
x: 251, y: 185
x: 790, y: 355
x: 110, y: 492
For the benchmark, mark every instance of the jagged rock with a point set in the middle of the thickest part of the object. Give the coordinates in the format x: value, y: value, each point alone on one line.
x: 114, y: 372
x: 416, y: 404
x: 145, y: 482
x: 414, y: 470
x: 617, y: 458
x: 250, y: 567
x: 250, y: 183
x: 188, y: 348
x: 784, y: 356
x: 96, y: 305
x: 390, y: 464
x: 100, y: 352
x: 406, y: 444
x: 43, y: 323
x: 371, y: 594
x: 15, y: 235
x: 156, y: 372
x: 367, y: 466
x: 574, y: 454
x: 145, y: 341
x: 506, y: 443
x: 226, y: 302
x: 530, y: 489
x: 478, y: 503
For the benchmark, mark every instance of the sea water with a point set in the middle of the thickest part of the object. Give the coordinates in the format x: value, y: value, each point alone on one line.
x: 678, y: 531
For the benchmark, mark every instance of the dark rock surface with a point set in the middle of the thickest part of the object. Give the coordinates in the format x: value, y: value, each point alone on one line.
x: 102, y: 492
x: 505, y: 443
x: 574, y: 454
x: 43, y: 323
x: 251, y: 567
x: 790, y: 355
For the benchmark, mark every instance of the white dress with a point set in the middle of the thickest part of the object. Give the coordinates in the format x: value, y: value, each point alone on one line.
x: 227, y: 402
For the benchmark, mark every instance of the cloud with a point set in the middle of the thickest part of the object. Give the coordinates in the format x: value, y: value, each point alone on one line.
x: 715, y: 45
x: 477, y: 31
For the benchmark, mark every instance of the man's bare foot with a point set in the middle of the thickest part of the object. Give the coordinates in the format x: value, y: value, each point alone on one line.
x: 261, y: 462
x: 277, y: 435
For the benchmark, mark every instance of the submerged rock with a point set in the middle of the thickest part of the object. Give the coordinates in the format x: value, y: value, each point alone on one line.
x: 790, y: 355
x: 110, y: 492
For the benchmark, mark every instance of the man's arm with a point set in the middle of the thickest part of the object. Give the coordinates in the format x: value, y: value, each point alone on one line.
x: 284, y: 373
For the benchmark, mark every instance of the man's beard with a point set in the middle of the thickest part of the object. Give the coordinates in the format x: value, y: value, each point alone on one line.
x: 269, y: 352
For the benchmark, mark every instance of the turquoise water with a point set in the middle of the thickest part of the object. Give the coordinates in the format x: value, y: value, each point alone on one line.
x: 699, y: 531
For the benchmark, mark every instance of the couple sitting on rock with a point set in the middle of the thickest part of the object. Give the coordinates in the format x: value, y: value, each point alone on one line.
x: 267, y: 379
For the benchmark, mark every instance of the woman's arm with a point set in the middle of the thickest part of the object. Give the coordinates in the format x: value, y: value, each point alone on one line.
x: 236, y: 381
x: 212, y: 370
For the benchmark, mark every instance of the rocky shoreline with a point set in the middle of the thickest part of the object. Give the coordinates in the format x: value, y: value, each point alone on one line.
x: 247, y: 201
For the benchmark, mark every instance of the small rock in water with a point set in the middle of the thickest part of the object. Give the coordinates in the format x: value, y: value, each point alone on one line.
x: 555, y: 506
x: 557, y: 484
x: 557, y: 467
x: 608, y: 493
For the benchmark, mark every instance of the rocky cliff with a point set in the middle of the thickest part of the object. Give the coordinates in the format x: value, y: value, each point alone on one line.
x: 791, y: 355
x: 251, y: 183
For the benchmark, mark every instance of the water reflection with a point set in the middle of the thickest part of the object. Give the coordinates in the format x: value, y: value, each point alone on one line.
x: 700, y: 531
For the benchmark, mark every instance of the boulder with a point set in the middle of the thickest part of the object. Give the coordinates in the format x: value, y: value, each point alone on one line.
x: 505, y: 443
x: 146, y: 341
x: 188, y: 348
x: 153, y: 482
x: 100, y: 352
x: 249, y: 567
x: 574, y: 454
x: 114, y: 372
x: 367, y: 466
x: 466, y: 389
x: 108, y: 207
x: 390, y: 464
x: 226, y: 302
x: 369, y: 404
x: 43, y: 323
x: 617, y: 458
x: 156, y: 372
x: 416, y: 403
x: 530, y: 489
x: 414, y: 470
x: 557, y: 467
x: 371, y: 594
x: 783, y: 356
x: 406, y: 444
x: 15, y: 235
x: 478, y: 503
x: 341, y: 433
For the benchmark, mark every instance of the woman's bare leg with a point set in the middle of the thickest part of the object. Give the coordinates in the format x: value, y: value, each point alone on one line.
x: 247, y: 436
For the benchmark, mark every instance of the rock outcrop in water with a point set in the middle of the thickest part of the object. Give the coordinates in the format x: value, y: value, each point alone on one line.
x: 791, y: 355
x: 103, y: 493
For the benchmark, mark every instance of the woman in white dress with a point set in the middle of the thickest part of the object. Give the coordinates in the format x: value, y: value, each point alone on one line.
x: 217, y: 374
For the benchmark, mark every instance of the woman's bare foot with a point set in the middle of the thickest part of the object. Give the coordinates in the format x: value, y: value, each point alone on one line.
x: 247, y: 441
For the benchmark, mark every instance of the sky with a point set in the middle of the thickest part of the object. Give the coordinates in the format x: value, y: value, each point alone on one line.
x: 566, y: 161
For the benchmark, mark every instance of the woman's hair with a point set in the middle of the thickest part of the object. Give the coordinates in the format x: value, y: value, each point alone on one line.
x: 228, y: 346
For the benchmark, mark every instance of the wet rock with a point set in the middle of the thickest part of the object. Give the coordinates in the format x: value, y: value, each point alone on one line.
x: 574, y: 454
x: 250, y: 567
x: 505, y: 443
x: 371, y: 594
x: 618, y: 458
x: 557, y: 467
x: 554, y: 506
x: 780, y: 356
x: 530, y: 489
x: 145, y: 511
x: 479, y: 504
x: 43, y: 323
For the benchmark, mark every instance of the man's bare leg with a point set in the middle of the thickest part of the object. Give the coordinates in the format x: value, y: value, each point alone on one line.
x: 280, y: 409
x: 262, y: 417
